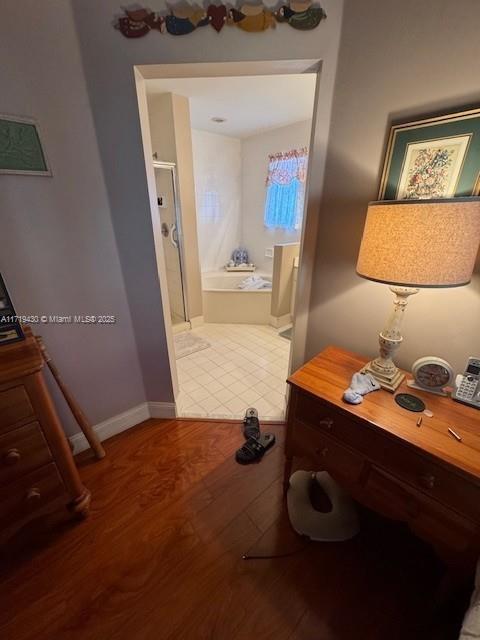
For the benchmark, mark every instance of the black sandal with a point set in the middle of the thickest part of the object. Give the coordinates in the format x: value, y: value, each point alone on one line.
x: 251, y: 425
x: 255, y: 448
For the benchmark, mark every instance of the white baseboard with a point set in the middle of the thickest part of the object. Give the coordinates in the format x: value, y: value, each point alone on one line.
x: 162, y: 409
x: 280, y: 321
x: 198, y: 321
x: 179, y: 328
x: 124, y: 421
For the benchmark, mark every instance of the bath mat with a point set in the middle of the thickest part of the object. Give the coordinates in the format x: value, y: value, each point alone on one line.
x: 187, y: 343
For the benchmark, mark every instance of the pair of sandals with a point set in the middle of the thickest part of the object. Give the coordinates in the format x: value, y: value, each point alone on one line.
x: 257, y: 443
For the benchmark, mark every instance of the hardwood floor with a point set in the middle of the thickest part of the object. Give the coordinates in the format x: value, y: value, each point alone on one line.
x: 160, y: 556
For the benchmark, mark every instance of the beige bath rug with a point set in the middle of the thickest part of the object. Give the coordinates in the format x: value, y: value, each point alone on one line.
x: 187, y: 343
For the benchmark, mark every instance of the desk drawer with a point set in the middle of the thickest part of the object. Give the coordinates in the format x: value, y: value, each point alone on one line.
x: 433, y: 480
x: 21, y: 451
x: 326, y: 453
x: 15, y: 406
x: 326, y: 418
x: 429, y: 519
x: 30, y: 495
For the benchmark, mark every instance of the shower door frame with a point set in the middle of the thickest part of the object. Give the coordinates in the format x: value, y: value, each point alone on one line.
x: 172, y: 167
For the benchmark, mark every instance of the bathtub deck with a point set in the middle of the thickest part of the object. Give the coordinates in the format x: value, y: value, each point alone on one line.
x: 224, y: 302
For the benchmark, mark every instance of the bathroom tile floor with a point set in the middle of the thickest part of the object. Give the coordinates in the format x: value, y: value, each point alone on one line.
x: 245, y: 366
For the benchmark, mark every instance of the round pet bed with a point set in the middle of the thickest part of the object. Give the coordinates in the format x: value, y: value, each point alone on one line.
x: 336, y: 525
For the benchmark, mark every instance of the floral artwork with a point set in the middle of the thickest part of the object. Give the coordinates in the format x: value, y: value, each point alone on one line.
x: 182, y: 20
x: 428, y: 176
x: 431, y: 169
x: 434, y: 157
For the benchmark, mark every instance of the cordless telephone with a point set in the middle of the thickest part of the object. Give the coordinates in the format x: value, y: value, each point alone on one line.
x: 467, y: 385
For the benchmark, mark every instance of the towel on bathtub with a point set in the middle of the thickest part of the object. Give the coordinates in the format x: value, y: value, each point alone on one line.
x: 254, y: 282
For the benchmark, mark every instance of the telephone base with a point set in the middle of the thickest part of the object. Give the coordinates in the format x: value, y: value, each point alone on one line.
x: 474, y: 405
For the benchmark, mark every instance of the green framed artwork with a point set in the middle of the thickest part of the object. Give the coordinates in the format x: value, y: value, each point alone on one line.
x: 437, y: 157
x: 21, y: 150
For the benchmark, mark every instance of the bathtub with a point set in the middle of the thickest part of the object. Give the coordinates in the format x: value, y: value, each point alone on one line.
x: 223, y: 302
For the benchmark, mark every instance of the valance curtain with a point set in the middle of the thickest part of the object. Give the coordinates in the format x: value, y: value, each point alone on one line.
x: 286, y: 189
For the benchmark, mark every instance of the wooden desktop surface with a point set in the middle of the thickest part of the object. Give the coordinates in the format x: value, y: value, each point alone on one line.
x: 329, y: 373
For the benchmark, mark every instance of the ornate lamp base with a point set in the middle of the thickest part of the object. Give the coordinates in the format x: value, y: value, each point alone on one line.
x: 390, y: 338
x: 390, y: 380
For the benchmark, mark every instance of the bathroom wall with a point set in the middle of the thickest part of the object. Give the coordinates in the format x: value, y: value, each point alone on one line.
x: 255, y: 151
x: 217, y: 163
x: 284, y: 258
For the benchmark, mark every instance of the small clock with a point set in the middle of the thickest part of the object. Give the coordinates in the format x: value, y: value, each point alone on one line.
x: 431, y: 374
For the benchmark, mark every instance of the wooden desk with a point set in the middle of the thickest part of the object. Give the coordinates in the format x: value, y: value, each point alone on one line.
x: 419, y: 475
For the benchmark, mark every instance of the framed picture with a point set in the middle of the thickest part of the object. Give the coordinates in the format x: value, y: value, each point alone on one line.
x: 10, y: 329
x: 6, y: 307
x: 437, y: 157
x: 21, y: 150
x: 10, y: 333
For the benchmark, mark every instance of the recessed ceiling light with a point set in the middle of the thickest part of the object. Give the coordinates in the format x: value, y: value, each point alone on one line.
x: 218, y: 120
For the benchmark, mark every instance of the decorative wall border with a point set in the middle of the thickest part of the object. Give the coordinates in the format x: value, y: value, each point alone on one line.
x: 253, y: 18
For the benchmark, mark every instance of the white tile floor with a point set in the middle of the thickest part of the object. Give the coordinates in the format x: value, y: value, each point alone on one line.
x: 246, y: 365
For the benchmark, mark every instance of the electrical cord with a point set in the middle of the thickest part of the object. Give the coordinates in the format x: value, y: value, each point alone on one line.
x: 307, y: 541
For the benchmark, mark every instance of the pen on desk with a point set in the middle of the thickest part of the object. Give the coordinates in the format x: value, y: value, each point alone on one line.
x: 454, y: 434
x: 419, y: 422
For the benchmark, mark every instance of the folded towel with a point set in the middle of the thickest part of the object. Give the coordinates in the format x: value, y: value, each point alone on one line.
x: 254, y: 282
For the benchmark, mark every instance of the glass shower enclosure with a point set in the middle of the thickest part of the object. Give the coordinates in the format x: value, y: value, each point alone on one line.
x: 172, y: 240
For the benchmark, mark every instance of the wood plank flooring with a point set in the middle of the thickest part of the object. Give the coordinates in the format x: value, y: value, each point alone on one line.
x: 160, y: 557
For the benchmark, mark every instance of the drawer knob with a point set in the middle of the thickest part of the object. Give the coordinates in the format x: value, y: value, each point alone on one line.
x: 427, y: 481
x: 12, y: 456
x: 326, y: 422
x: 322, y: 452
x: 33, y: 494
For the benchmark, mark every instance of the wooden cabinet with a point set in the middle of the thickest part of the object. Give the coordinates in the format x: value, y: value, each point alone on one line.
x: 37, y: 470
x: 419, y: 475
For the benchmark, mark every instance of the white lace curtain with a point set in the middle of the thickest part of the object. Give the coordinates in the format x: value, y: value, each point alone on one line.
x: 287, y: 172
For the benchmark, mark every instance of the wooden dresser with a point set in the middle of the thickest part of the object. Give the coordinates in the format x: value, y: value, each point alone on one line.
x: 419, y: 475
x: 37, y: 470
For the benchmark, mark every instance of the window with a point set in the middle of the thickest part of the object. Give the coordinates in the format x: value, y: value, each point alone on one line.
x: 286, y: 189
x: 209, y: 206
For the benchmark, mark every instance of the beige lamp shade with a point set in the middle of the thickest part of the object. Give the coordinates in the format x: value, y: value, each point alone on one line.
x: 421, y: 243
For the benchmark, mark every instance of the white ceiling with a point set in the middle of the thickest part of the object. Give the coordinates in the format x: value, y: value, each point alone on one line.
x: 250, y: 104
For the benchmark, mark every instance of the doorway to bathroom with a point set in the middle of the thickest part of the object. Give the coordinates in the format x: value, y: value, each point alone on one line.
x: 231, y: 231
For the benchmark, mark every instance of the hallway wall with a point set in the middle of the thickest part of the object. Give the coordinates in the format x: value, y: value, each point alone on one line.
x: 108, y: 60
x: 58, y: 251
x: 390, y: 70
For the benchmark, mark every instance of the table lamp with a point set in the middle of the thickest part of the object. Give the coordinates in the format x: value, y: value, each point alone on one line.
x: 411, y: 244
